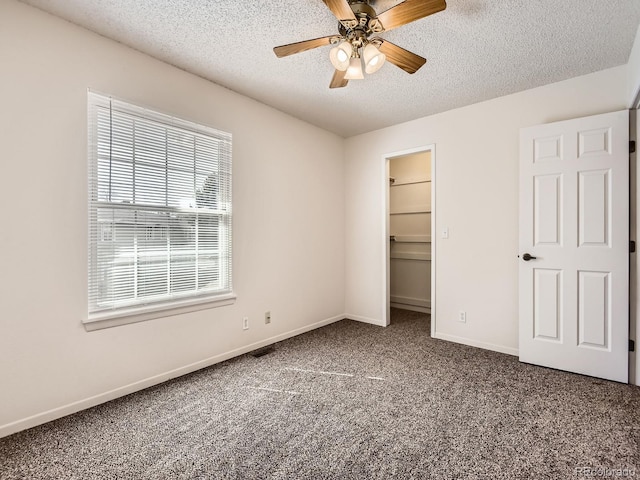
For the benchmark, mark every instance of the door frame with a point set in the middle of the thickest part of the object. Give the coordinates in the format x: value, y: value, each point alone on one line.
x: 386, y: 247
x: 634, y: 231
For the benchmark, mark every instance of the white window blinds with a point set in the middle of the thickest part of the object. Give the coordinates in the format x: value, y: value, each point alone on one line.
x: 159, y: 208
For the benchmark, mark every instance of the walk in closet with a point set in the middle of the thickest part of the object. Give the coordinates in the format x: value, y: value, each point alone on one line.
x: 410, y: 231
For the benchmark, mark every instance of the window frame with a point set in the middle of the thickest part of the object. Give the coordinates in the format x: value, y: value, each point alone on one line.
x: 142, y: 308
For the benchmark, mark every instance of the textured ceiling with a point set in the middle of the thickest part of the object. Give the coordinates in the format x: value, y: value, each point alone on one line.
x: 475, y: 50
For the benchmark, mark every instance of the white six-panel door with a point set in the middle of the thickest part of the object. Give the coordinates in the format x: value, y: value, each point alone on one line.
x: 574, y: 222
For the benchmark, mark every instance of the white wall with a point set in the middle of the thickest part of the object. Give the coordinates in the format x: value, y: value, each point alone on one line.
x: 476, y: 182
x: 633, y: 68
x: 288, y: 223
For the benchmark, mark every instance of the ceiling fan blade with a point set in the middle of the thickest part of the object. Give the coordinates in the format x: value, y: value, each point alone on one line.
x: 341, y: 9
x: 407, y: 61
x: 290, y: 49
x: 338, y: 80
x: 409, y: 11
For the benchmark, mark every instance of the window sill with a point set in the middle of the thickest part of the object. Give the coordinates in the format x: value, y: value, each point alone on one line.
x: 99, y: 321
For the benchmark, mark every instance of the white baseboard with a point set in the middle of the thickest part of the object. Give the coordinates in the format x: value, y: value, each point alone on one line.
x: 359, y: 318
x: 416, y: 302
x: 474, y: 343
x: 412, y: 308
x: 74, y: 407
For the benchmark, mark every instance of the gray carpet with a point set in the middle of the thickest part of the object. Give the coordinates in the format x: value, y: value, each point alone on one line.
x: 349, y: 400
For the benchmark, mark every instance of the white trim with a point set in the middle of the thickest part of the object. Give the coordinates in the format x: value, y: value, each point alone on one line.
x: 372, y: 321
x: 89, y: 402
x: 418, y: 302
x: 412, y: 308
x: 635, y: 185
x: 116, y: 318
x: 434, y: 236
x: 475, y: 343
x: 386, y: 211
x: 386, y: 256
x: 634, y: 297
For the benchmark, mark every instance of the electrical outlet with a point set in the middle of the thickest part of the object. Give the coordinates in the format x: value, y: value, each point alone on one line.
x: 462, y: 317
x: 267, y: 317
x: 245, y: 323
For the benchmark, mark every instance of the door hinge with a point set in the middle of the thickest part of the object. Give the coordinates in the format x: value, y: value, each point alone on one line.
x: 632, y: 246
x: 632, y: 345
x: 632, y: 146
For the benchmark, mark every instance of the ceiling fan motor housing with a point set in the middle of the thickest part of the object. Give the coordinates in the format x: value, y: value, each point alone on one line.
x: 367, y: 24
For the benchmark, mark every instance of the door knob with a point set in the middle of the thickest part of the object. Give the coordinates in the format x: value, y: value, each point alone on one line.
x: 526, y: 257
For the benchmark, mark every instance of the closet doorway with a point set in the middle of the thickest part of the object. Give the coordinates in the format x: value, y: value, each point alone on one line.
x: 409, y: 221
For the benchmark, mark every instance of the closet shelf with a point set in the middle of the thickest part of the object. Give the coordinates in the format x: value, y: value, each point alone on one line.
x: 421, y: 257
x: 393, y: 182
x: 410, y: 212
x: 410, y: 238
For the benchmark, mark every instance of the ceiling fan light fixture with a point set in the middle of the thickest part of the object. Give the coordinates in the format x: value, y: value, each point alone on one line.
x: 358, y: 21
x: 340, y: 56
x: 373, y: 58
x: 354, y: 72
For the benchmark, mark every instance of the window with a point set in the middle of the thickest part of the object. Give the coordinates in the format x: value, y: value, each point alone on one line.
x: 159, y: 211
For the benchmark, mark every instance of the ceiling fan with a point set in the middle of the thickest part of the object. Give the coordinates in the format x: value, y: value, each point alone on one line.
x: 358, y: 23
